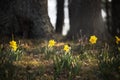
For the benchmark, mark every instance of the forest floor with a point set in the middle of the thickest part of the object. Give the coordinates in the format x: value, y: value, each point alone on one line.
x: 43, y: 69
x: 34, y: 65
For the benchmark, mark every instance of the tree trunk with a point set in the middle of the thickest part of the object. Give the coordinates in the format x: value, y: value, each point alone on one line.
x: 108, y: 13
x: 85, y: 18
x: 28, y: 18
x: 115, y: 18
x: 60, y: 16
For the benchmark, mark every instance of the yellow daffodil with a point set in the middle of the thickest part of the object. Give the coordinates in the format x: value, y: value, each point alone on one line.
x: 93, y: 39
x: 66, y: 48
x: 13, y: 45
x: 117, y: 39
x: 51, y: 43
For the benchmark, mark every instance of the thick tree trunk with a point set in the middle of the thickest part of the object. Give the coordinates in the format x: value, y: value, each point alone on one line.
x: 28, y: 18
x: 115, y: 18
x: 60, y: 16
x: 85, y: 18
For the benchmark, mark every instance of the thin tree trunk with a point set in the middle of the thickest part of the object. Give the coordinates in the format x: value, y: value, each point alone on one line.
x: 108, y: 13
x: 60, y: 16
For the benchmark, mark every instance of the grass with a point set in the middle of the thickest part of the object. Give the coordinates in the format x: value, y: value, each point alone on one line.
x: 34, y: 65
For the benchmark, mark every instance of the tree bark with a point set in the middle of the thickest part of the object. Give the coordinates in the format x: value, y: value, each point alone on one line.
x: 108, y: 15
x: 60, y: 16
x: 115, y: 18
x: 28, y: 18
x: 86, y: 19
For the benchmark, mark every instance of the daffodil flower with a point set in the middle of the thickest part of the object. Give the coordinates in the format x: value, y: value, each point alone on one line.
x: 51, y: 43
x: 13, y: 45
x: 93, y: 39
x: 66, y: 48
x: 117, y: 39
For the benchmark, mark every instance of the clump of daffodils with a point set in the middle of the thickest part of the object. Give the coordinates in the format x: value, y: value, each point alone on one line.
x: 13, y: 45
x: 51, y: 43
x: 66, y: 48
x: 93, y: 39
x: 117, y: 39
